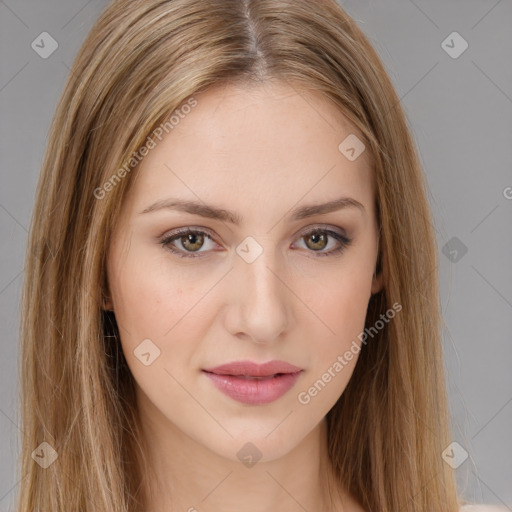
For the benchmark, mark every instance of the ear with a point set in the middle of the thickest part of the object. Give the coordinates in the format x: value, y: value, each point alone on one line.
x: 377, y: 282
x: 107, y: 301
x: 378, y: 275
x: 107, y: 305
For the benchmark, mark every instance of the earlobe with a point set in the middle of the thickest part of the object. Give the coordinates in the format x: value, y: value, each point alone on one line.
x: 377, y: 282
x: 107, y: 302
x: 380, y: 266
x: 107, y: 305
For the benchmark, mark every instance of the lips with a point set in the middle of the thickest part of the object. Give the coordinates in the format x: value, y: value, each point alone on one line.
x: 250, y: 369
x: 253, y: 383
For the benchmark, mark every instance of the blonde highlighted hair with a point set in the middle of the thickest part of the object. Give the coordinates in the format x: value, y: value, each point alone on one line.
x: 140, y: 61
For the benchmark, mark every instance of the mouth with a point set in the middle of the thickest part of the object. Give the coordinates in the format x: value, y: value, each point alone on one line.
x: 252, y: 383
x: 254, y: 370
x: 250, y: 377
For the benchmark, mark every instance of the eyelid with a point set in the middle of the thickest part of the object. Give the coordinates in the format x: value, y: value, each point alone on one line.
x: 302, y: 232
x: 322, y: 227
x: 173, y: 232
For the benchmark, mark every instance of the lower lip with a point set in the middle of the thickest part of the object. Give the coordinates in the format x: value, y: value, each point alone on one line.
x: 254, y: 391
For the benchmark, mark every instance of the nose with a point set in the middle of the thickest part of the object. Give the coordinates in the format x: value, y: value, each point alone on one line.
x: 260, y: 307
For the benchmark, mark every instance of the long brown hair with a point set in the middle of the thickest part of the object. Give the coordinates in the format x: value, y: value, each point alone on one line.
x: 141, y: 61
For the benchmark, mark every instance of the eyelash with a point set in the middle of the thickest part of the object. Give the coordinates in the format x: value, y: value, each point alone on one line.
x: 166, y: 241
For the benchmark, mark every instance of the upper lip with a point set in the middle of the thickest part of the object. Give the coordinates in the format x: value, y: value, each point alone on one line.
x: 252, y: 369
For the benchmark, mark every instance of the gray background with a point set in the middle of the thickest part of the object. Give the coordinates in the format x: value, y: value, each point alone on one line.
x: 460, y: 111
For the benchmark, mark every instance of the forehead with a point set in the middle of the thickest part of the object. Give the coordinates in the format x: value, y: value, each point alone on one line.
x: 255, y: 145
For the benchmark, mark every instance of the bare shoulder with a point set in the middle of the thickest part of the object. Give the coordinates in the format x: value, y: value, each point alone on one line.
x: 482, y: 508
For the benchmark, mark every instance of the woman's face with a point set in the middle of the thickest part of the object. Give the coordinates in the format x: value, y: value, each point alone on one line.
x: 250, y: 171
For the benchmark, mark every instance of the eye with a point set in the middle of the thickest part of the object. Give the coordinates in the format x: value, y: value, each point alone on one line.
x: 318, y: 239
x: 187, y: 242
x: 190, y: 240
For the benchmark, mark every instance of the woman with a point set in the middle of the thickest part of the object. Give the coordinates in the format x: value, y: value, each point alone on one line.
x: 231, y: 300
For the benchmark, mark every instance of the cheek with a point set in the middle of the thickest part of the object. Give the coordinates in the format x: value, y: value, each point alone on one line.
x: 151, y: 296
x: 341, y: 305
x: 168, y: 305
x: 336, y: 347
x: 340, y: 293
x: 158, y: 302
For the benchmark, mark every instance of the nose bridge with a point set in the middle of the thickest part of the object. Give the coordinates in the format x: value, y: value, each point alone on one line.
x: 261, y: 278
x: 263, y: 311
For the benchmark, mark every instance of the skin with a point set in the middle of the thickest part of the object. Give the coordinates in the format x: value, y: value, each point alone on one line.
x: 260, y: 151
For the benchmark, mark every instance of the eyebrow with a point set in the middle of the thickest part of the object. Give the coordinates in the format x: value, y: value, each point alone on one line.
x: 212, y: 212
